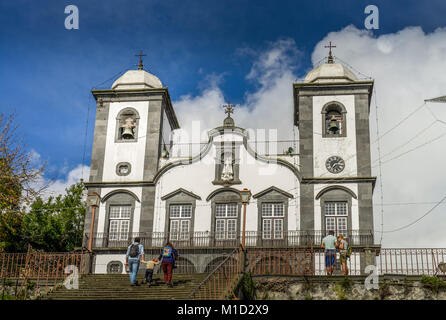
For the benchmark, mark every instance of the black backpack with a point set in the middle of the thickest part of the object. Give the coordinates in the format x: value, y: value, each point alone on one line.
x: 134, y: 250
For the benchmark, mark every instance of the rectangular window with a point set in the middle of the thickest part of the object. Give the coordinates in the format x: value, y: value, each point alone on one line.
x: 232, y: 229
x: 220, y: 229
x: 266, y: 228
x: 119, y: 225
x: 336, y: 214
x: 272, y: 220
x: 180, y: 220
x: 226, y: 210
x: 184, y: 231
x: 225, y: 225
x: 278, y: 228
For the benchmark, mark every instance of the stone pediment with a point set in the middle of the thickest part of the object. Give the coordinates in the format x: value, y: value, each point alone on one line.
x: 273, y: 191
x: 180, y: 191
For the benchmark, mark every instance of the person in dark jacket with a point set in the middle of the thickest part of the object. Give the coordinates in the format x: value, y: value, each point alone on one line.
x: 168, y: 256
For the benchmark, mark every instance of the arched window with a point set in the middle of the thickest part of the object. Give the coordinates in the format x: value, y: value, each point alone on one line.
x: 334, y: 120
x: 127, y: 123
x: 336, y: 214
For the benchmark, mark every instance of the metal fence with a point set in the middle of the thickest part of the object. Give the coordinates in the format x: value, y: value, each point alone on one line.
x: 201, y: 239
x: 265, y: 148
x: 221, y: 282
x: 422, y: 261
x: 37, y: 271
x: 426, y: 261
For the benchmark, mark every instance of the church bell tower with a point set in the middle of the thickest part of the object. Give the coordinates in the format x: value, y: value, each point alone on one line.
x: 134, y: 119
x: 331, y: 110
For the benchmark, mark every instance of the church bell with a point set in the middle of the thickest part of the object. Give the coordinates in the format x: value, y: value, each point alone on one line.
x: 333, y: 127
x: 128, y: 133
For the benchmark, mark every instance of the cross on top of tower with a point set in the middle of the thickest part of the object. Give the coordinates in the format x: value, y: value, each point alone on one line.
x: 330, y: 56
x: 140, y: 55
x: 229, y: 108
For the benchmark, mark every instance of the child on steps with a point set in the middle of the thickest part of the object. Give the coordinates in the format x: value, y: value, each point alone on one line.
x: 150, y: 265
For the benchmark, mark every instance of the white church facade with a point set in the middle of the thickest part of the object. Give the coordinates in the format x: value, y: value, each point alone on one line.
x: 155, y: 188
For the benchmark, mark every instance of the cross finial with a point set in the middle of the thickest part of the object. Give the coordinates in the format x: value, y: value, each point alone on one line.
x: 330, y: 56
x: 229, y: 108
x: 140, y: 55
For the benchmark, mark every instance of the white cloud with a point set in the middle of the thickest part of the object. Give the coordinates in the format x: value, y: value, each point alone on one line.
x: 269, y: 106
x: 407, y: 67
x: 58, y: 186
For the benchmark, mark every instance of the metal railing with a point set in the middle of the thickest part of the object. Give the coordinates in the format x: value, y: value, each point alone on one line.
x: 410, y: 261
x: 289, y: 261
x: 273, y: 148
x: 221, y: 282
x: 204, y: 239
x: 37, y: 270
x: 264, y: 148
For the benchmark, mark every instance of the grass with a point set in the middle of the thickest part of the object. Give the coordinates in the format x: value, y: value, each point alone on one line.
x: 433, y: 283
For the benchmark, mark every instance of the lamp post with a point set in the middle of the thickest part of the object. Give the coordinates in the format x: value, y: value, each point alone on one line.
x: 92, y: 201
x: 245, y: 196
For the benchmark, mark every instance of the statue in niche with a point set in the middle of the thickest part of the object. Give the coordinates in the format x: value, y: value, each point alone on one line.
x: 227, y: 173
x: 128, y: 128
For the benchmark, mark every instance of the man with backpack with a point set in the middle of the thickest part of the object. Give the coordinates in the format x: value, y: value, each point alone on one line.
x: 344, y: 253
x: 168, y: 255
x: 135, y: 254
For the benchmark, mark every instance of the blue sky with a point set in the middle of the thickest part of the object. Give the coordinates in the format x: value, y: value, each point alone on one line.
x: 47, y: 72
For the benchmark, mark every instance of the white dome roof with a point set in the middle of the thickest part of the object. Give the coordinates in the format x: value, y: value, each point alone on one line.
x: 137, y: 79
x: 330, y: 72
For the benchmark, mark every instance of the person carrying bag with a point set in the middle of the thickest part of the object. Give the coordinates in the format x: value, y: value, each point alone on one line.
x: 168, y: 256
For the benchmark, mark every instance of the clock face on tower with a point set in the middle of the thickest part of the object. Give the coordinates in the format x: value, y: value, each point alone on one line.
x: 335, y: 164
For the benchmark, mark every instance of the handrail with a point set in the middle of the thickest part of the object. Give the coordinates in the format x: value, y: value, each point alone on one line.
x: 215, y: 271
x: 205, y: 239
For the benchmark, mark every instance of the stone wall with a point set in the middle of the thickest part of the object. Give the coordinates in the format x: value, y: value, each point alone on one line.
x: 349, y: 288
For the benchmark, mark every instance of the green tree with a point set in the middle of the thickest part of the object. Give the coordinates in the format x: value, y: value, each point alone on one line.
x: 11, y: 239
x: 56, y: 225
x: 19, y: 177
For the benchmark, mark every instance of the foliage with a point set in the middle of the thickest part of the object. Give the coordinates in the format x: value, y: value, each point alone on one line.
x: 57, y: 224
x: 340, y: 292
x: 11, y: 237
x: 7, y: 296
x: 433, y: 283
x: 52, y: 225
x: 20, y: 183
x: 346, y: 283
x: 248, y: 287
x: 19, y: 175
x: 384, y: 290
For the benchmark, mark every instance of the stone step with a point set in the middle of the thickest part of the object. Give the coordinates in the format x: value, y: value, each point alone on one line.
x: 114, y: 287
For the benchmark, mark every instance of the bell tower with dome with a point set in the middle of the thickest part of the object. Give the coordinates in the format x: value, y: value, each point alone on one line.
x: 331, y: 111
x: 134, y: 119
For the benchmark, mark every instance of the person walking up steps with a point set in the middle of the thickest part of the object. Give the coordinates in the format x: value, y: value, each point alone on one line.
x: 135, y: 254
x: 150, y: 265
x: 168, y: 255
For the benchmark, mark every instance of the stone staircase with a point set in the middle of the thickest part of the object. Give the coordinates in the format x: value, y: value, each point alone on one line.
x: 117, y: 287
